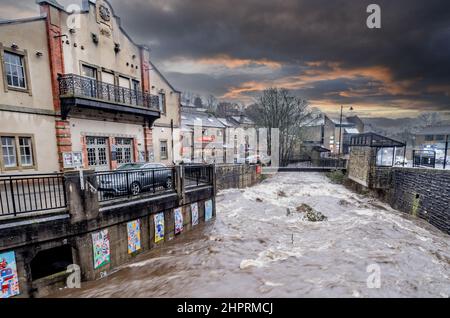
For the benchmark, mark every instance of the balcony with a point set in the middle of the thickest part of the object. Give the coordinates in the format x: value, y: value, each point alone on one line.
x: 82, y: 92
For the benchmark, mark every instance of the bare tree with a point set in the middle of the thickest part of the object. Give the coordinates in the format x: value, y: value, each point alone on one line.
x: 198, y: 102
x: 211, y: 103
x: 188, y: 97
x: 277, y: 108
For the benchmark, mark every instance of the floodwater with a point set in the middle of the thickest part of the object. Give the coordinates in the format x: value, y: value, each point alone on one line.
x: 255, y: 248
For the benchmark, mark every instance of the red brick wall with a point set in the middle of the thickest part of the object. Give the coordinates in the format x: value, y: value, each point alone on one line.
x: 63, y: 139
x: 63, y: 134
x: 148, y: 141
x: 145, y: 69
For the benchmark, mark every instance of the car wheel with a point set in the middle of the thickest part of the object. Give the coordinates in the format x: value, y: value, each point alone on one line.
x: 135, y: 188
x: 169, y: 183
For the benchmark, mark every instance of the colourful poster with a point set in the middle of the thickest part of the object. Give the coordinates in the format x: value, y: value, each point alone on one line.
x: 100, y: 243
x: 159, y: 227
x: 208, y: 210
x: 9, y: 281
x: 178, y: 221
x: 194, y: 210
x: 134, y: 236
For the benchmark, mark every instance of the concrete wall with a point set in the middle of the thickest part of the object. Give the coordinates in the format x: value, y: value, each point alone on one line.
x: 31, y: 37
x: 87, y: 216
x: 29, y: 112
x: 42, y: 130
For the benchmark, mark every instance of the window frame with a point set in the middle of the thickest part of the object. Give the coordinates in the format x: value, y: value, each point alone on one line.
x: 26, y: 69
x: 161, y: 157
x: 19, y: 166
x: 163, y: 102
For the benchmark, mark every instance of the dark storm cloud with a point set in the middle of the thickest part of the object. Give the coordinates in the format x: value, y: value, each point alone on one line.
x: 407, y: 60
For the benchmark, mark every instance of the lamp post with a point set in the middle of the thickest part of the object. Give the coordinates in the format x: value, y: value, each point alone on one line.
x: 340, y: 130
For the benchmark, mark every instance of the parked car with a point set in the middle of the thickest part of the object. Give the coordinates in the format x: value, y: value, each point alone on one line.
x: 134, y: 178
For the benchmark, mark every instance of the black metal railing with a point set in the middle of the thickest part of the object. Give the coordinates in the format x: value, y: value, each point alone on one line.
x: 198, y: 175
x: 124, y: 183
x: 71, y: 85
x: 31, y: 193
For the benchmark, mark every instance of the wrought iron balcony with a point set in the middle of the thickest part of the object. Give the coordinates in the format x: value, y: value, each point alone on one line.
x: 79, y: 91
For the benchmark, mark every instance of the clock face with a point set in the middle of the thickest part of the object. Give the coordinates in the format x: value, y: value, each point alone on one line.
x: 105, y: 14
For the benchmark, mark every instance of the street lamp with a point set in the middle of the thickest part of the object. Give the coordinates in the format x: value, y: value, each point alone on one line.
x: 340, y: 130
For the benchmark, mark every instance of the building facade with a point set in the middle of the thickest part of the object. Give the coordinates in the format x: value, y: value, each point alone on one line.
x: 76, y: 86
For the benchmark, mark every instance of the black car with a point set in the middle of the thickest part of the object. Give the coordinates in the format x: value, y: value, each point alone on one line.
x: 134, y: 178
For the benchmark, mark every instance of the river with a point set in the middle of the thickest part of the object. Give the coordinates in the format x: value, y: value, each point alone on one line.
x: 257, y: 248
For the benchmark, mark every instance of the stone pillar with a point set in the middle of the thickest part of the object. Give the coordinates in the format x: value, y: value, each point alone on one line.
x: 83, y: 204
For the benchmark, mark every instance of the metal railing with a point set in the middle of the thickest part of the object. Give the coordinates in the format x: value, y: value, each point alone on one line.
x: 129, y: 183
x: 197, y: 175
x: 71, y: 85
x: 31, y: 193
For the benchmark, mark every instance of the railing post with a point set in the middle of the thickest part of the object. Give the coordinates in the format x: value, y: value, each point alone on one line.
x: 12, y: 196
x: 179, y: 183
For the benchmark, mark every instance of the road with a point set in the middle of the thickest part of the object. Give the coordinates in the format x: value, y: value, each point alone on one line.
x: 256, y: 248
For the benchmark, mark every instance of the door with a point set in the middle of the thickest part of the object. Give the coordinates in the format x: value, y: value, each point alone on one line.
x: 124, y: 90
x: 90, y: 83
x: 109, y: 89
x: 98, y: 153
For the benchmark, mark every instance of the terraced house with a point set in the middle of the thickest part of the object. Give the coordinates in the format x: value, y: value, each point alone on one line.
x: 76, y: 86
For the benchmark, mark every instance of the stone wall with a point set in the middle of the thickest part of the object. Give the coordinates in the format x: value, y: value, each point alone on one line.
x: 237, y: 176
x: 359, y: 165
x: 424, y: 193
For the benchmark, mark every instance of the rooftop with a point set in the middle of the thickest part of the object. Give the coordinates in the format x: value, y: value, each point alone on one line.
x: 435, y: 130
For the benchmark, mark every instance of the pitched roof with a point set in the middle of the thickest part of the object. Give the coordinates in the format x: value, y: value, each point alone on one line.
x: 188, y: 118
x: 435, y: 130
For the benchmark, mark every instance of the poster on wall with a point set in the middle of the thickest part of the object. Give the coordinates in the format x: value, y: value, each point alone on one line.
x: 194, y: 210
x: 134, y: 236
x: 178, y: 221
x: 208, y: 210
x: 9, y: 280
x: 100, y: 243
x: 159, y: 227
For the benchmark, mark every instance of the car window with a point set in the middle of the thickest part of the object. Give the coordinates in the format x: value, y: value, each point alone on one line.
x: 130, y: 166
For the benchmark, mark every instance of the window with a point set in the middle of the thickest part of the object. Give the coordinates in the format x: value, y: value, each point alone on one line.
x: 9, y: 152
x: 429, y: 138
x: 124, y: 150
x: 26, y: 152
x: 162, y: 103
x: 440, y: 138
x: 17, y: 152
x: 15, y: 70
x: 163, y: 149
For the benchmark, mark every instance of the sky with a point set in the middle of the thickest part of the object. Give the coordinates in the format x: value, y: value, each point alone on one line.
x: 321, y: 50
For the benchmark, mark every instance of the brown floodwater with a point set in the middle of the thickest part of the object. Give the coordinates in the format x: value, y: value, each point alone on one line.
x: 257, y: 248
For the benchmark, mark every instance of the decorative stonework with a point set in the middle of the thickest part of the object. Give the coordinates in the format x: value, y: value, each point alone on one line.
x: 104, y: 15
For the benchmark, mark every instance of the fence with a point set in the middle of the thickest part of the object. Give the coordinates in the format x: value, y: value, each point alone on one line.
x: 196, y: 175
x: 31, y: 193
x: 113, y: 184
